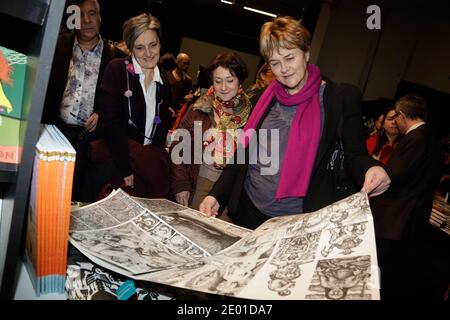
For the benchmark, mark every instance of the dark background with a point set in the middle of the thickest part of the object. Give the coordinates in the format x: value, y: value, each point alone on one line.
x: 206, y: 20
x: 232, y: 27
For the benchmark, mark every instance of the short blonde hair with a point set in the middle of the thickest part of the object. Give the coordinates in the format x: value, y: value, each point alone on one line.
x: 135, y: 26
x: 283, y: 32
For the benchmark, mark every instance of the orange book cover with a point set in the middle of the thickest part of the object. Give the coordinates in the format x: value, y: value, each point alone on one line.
x: 44, y: 221
x: 39, y: 212
x: 51, y: 223
x: 37, y: 216
x: 56, y: 236
x: 52, y: 218
x: 59, y: 216
x: 42, y: 176
x: 68, y: 179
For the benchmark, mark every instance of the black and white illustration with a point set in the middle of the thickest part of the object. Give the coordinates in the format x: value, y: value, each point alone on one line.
x: 146, y: 236
x: 342, y: 279
x: 93, y: 217
x: 78, y: 224
x: 291, y: 254
x: 206, y: 235
x: 230, y: 271
x: 122, y: 205
x: 160, y: 230
x: 281, y: 259
x: 168, y: 209
x: 108, y: 212
x: 309, y: 224
x: 180, y: 243
x: 195, y: 251
x: 127, y: 247
x: 226, y: 280
x: 176, y: 275
x: 352, y: 209
x: 227, y: 228
x: 159, y: 205
x: 146, y: 221
x: 344, y: 239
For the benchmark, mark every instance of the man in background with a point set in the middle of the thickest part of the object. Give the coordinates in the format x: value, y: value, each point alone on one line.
x: 408, y: 255
x: 180, y: 82
x: 71, y: 101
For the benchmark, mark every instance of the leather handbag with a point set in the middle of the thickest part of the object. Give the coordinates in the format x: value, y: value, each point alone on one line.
x: 344, y: 185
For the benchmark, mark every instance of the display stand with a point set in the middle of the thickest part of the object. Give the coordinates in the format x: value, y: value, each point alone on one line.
x: 25, y: 291
x: 30, y: 27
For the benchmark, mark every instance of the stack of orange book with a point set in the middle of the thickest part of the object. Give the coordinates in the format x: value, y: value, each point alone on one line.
x: 49, y: 211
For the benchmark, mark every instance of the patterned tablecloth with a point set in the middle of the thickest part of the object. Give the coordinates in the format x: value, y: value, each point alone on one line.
x: 88, y: 281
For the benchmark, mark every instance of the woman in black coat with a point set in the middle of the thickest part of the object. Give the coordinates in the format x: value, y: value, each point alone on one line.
x: 304, y: 117
x: 135, y: 100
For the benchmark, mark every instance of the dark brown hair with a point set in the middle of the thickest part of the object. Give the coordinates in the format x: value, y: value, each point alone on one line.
x: 231, y: 61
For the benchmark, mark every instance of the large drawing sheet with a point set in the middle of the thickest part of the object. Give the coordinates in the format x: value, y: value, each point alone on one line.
x: 128, y: 238
x: 328, y: 254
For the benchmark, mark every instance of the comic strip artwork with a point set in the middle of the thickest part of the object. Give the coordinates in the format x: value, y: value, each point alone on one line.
x: 165, y: 233
x: 122, y: 233
x: 341, y: 279
x: 226, y: 273
x: 111, y: 211
x: 328, y: 254
x: 291, y: 254
x: 128, y: 247
x: 344, y: 238
x: 159, y: 205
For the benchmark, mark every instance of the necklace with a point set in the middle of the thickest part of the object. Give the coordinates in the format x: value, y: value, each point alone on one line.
x: 156, y: 121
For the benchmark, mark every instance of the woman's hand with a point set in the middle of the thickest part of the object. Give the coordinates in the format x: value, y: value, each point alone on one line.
x: 129, y: 181
x: 210, y: 206
x: 376, y: 182
x: 183, y: 197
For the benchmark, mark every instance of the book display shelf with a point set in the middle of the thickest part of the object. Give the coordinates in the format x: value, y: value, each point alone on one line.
x: 30, y: 27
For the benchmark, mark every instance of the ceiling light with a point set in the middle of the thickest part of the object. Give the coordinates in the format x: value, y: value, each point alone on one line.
x: 227, y: 2
x: 260, y: 11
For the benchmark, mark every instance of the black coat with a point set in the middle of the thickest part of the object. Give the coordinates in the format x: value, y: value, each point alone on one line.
x: 338, y: 100
x: 114, y: 126
x: 60, y: 70
x: 415, y: 168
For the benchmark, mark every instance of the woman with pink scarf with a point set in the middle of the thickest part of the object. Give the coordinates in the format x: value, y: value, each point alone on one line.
x: 298, y: 119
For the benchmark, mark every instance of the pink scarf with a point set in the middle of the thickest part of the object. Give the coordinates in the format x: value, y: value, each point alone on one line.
x: 304, y: 136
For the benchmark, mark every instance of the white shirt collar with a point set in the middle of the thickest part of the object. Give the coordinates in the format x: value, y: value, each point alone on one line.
x: 138, y: 70
x: 415, y: 126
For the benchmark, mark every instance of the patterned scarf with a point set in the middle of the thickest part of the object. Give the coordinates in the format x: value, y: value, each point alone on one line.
x: 224, y: 138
